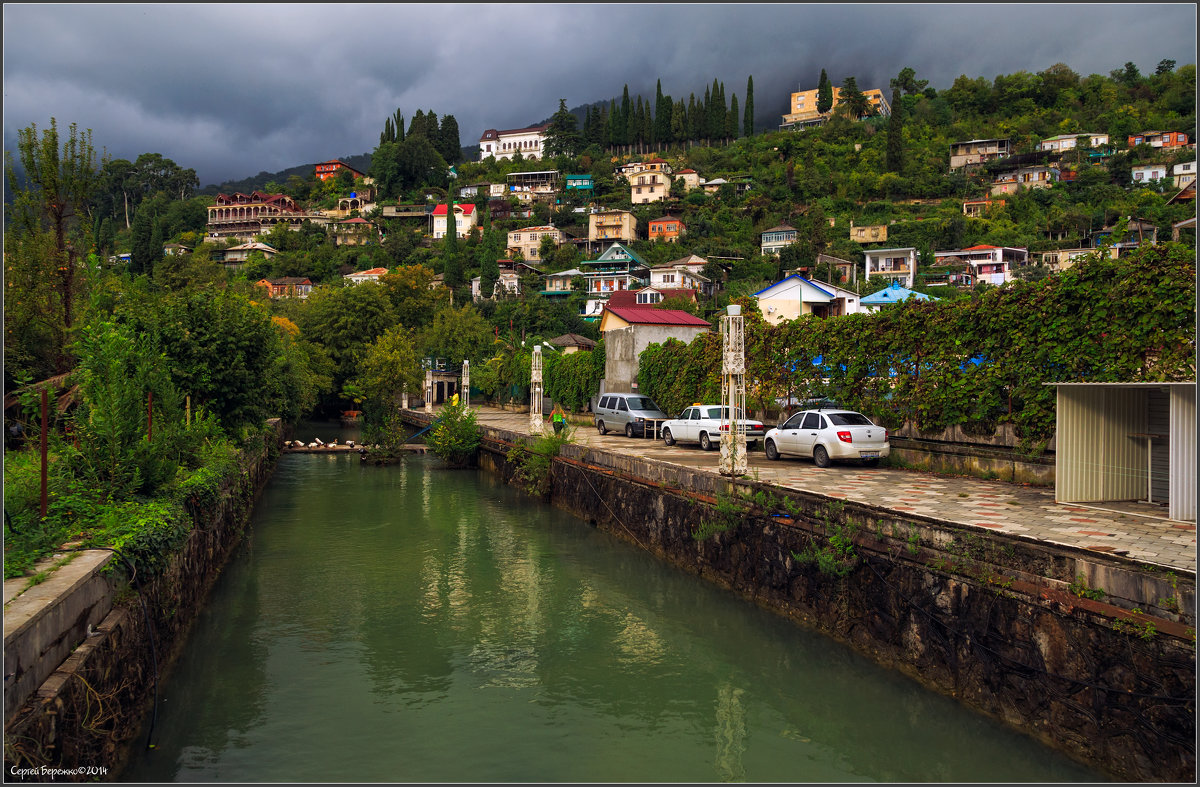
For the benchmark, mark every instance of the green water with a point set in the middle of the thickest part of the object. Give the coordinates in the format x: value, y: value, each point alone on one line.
x: 413, y: 623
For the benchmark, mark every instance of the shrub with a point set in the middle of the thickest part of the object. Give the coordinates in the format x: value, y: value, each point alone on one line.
x: 454, y: 437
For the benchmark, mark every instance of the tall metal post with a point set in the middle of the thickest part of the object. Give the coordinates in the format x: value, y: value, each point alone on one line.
x: 733, y: 394
x: 466, y: 385
x: 535, y: 392
x: 429, y: 388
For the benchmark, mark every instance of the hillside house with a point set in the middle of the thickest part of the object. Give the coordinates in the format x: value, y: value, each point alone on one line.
x: 580, y: 183
x: 529, y: 141
x: 667, y: 229
x: 607, y: 226
x: 359, y: 277
x: 870, y: 233
x: 649, y: 296
x: 1144, y: 172
x: 1159, y: 139
x: 532, y: 186
x: 464, y: 220
x: 507, y: 283
x: 649, y: 186
x: 286, y: 287
x: 973, y: 153
x: 682, y: 273
x: 1184, y: 174
x: 239, y: 254
x: 527, y: 241
x: 559, y: 285
x: 572, y: 343
x: 691, y: 178
x: 777, y: 238
x: 1065, y: 142
x: 977, y: 207
x: 617, y: 269
x: 796, y: 296
x: 1035, y: 177
x: 330, y: 169
x: 992, y: 264
x: 899, y: 265
x: 804, y: 112
x: 246, y: 216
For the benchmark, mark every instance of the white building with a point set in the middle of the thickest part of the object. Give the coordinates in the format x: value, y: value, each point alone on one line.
x: 896, y: 264
x: 1070, y: 141
x: 531, y: 142
x: 797, y: 296
x: 1144, y: 172
x: 992, y: 264
x: 374, y: 274
x: 1184, y: 173
x: 464, y: 220
x: 507, y: 282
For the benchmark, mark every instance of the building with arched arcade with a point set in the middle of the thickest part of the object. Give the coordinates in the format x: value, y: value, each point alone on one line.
x: 245, y: 216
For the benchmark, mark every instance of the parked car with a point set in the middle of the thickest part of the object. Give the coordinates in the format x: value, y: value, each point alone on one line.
x: 701, y: 423
x: 826, y: 435
x: 627, y: 412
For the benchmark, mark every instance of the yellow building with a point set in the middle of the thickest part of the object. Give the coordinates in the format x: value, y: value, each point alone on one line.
x: 804, y: 107
x: 612, y: 225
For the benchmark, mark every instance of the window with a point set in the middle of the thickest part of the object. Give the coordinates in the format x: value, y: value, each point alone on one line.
x: 811, y: 421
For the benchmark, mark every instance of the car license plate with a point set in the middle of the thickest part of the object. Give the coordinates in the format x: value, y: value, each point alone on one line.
x: 869, y: 454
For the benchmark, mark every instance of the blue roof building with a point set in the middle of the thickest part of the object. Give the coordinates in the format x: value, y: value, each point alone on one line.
x: 893, y: 293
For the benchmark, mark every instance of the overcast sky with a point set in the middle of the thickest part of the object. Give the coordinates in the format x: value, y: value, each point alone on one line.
x: 234, y: 89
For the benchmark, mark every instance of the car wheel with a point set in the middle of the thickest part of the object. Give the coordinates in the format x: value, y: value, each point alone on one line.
x: 870, y: 463
x: 772, y: 451
x: 705, y: 443
x: 629, y: 430
x: 668, y: 438
x: 821, y: 456
x: 600, y: 427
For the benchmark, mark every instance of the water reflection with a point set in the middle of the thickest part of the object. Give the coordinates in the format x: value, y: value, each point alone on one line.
x: 413, y: 623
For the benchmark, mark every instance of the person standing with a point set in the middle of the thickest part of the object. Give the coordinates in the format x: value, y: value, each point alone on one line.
x: 558, y: 418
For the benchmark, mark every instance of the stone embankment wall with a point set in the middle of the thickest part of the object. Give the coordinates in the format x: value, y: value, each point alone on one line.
x: 987, y: 618
x: 87, y: 714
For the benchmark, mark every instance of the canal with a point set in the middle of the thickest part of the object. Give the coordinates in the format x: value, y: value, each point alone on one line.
x: 415, y: 623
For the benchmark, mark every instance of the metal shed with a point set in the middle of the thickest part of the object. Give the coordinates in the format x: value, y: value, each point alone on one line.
x: 1127, y: 441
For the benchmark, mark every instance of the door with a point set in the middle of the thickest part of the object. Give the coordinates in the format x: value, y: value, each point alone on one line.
x: 788, y: 436
x: 807, y: 434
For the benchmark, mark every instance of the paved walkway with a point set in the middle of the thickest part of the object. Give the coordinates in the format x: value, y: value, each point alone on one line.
x: 1135, y: 530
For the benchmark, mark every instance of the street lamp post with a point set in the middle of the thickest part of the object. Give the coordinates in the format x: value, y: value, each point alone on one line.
x: 733, y: 394
x: 535, y: 392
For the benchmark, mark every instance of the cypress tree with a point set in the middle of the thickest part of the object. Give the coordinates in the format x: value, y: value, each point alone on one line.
x: 693, y: 133
x: 678, y: 122
x: 824, y: 94
x: 626, y: 118
x: 141, y: 256
x: 731, y: 130
x: 449, y: 145
x: 614, y: 120
x: 417, y: 126
x: 895, y: 135
x: 748, y: 119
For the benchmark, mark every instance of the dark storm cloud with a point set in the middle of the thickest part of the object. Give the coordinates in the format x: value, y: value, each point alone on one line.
x: 234, y: 89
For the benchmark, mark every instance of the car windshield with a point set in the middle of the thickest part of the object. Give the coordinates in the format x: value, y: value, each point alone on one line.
x: 641, y: 403
x: 849, y: 419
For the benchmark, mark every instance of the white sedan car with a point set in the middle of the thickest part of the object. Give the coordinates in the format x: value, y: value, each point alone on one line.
x: 701, y: 423
x: 826, y: 435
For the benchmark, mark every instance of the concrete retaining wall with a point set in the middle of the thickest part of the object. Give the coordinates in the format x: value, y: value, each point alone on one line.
x: 90, y: 708
x: 985, y: 617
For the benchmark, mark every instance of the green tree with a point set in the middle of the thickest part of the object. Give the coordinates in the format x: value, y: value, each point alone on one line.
x: 46, y: 230
x: 824, y: 93
x: 906, y: 81
x: 141, y: 254
x: 390, y: 366
x: 562, y: 137
x: 448, y: 138
x: 748, y: 117
x: 856, y: 102
x: 457, y: 334
x: 895, y: 134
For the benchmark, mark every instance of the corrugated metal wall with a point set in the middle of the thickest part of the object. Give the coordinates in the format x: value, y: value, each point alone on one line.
x: 1096, y: 459
x: 1159, y: 423
x: 1183, y: 453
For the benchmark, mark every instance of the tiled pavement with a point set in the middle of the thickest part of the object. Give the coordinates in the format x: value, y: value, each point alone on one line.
x: 1137, y: 530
